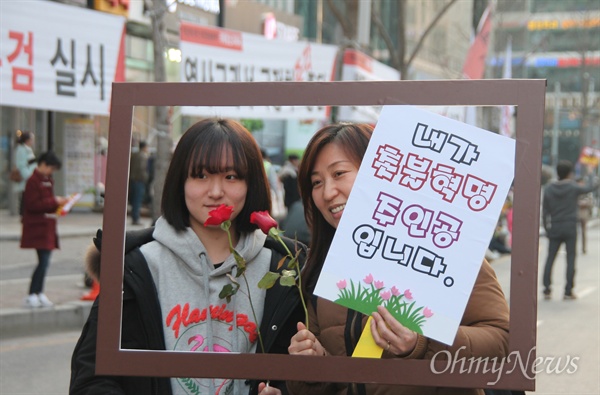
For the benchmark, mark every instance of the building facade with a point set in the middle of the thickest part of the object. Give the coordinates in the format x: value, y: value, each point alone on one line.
x: 440, y: 56
x: 558, y: 41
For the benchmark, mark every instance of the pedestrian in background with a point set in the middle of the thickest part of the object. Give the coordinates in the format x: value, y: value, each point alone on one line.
x: 278, y: 209
x: 584, y: 213
x: 39, y: 223
x: 294, y: 225
x: 559, y: 217
x: 288, y: 175
x: 25, y: 163
x: 138, y: 177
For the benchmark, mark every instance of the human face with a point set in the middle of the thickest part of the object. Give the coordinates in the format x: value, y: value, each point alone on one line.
x: 332, y: 179
x: 45, y: 169
x: 208, y: 191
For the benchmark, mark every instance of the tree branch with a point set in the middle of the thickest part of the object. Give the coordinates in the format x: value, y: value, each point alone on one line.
x: 386, y: 38
x: 347, y: 27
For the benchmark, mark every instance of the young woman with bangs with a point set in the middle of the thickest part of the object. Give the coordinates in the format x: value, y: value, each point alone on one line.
x: 175, y: 271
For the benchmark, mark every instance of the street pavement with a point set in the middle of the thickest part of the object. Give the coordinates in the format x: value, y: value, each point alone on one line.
x: 567, y: 331
x: 64, y: 282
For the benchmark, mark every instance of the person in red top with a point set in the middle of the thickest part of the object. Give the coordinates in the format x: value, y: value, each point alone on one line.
x: 39, y: 223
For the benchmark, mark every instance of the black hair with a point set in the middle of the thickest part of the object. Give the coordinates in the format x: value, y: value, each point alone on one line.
x: 563, y: 169
x: 201, y: 149
x: 24, y: 137
x: 50, y: 159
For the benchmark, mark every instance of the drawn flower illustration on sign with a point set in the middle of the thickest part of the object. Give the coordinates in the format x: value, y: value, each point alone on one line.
x: 365, y: 298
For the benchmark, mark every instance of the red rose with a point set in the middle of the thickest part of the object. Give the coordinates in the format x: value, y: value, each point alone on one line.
x: 264, y: 221
x: 219, y: 215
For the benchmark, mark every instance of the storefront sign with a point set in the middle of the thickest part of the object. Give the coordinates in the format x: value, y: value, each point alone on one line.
x: 117, y: 7
x: 219, y: 55
x: 551, y: 24
x: 58, y: 57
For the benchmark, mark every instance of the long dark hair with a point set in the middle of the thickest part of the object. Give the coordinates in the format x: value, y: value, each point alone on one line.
x: 201, y: 148
x: 354, y: 139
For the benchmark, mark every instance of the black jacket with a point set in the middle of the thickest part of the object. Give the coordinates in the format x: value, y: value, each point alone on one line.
x: 142, y: 328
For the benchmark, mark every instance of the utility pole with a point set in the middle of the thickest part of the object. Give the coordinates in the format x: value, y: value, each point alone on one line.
x: 556, y: 129
x: 164, y: 141
x: 364, y: 24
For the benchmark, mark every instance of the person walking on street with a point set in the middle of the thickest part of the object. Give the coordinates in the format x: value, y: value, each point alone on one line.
x: 138, y: 177
x: 584, y: 214
x: 278, y: 209
x: 25, y: 163
x: 39, y: 223
x: 559, y: 217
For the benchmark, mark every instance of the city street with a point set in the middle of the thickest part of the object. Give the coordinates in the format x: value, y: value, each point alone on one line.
x: 568, y: 331
x: 16, y: 263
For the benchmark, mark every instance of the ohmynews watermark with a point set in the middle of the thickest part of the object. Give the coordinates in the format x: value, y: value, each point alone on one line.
x: 550, y: 365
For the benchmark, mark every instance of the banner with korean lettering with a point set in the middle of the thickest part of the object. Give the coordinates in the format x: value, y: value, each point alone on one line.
x: 211, y: 54
x: 58, y: 57
x: 420, y: 216
x: 357, y: 66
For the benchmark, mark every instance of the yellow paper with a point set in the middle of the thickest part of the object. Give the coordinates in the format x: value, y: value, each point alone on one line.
x: 366, y: 347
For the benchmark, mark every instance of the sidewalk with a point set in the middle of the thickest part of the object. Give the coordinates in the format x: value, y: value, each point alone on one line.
x: 69, y: 312
x: 74, y: 224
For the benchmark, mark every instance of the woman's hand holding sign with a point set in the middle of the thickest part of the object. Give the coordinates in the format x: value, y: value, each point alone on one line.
x: 390, y: 334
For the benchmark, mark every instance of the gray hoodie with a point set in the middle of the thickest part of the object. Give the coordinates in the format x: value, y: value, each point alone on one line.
x: 195, y: 319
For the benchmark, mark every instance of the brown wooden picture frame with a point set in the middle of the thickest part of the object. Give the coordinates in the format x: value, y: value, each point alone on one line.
x: 516, y: 372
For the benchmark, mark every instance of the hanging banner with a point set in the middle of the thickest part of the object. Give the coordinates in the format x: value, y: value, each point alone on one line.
x: 358, y: 66
x: 58, y: 57
x: 211, y: 54
x: 420, y: 216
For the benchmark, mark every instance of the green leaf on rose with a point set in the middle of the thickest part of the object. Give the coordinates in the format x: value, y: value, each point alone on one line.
x: 227, y: 292
x: 241, y: 262
x: 288, y: 281
x: 268, y: 280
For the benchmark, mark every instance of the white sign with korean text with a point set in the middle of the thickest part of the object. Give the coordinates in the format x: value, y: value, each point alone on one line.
x: 420, y: 216
x: 58, y: 57
x: 211, y: 54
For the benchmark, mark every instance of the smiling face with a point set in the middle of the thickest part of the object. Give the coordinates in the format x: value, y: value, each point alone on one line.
x: 207, y: 191
x: 332, y: 179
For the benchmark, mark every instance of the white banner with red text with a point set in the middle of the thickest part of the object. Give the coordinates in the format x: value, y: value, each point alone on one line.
x: 58, y: 57
x: 211, y: 54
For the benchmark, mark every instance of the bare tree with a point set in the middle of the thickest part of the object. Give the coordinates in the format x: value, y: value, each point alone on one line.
x: 156, y: 11
x: 400, y: 60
